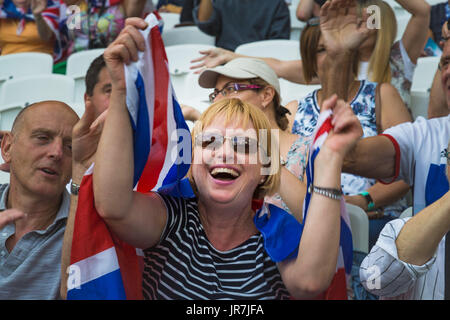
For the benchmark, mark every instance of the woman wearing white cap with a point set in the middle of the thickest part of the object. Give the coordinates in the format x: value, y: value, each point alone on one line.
x: 253, y: 81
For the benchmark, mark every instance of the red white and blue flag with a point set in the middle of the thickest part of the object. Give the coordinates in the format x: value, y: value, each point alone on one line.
x: 338, y: 288
x: 101, y: 265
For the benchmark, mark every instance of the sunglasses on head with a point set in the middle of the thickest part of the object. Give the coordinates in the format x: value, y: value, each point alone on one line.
x: 240, y: 144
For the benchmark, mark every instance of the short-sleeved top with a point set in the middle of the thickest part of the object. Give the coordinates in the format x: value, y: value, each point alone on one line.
x: 28, y: 41
x: 420, y: 161
x: 421, y: 157
x: 402, y: 71
x: 32, y: 270
x: 184, y: 265
x: 235, y: 22
x: 296, y: 159
x: 363, y: 106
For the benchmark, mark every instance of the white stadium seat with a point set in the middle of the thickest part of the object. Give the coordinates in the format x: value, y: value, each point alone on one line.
x: 294, y: 91
x: 359, y: 222
x: 77, y: 65
x: 408, y: 212
x: 19, y: 93
x: 13, y: 66
x: 170, y: 20
x: 186, y: 35
x: 179, y: 58
x: 421, y: 85
x: 281, y: 49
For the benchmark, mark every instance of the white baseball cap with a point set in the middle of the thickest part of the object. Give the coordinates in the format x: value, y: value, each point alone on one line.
x: 240, y: 68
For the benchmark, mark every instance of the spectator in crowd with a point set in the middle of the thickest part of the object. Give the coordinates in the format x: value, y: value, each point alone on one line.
x: 377, y: 106
x: 87, y: 132
x: 415, y: 250
x: 223, y: 212
x: 98, y: 86
x: 407, y: 261
x: 29, y: 26
x: 253, y: 81
x: 95, y: 24
x: 35, y: 203
x: 235, y: 22
x: 382, y: 59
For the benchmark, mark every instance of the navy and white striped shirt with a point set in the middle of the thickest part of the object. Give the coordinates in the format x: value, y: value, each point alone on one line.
x: 184, y: 265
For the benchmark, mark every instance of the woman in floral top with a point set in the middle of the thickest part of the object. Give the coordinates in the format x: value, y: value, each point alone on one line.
x: 362, y: 98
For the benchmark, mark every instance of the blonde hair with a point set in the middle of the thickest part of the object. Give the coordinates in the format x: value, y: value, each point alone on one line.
x: 237, y: 111
x: 379, y: 67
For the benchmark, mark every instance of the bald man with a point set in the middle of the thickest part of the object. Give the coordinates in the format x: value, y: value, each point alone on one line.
x: 35, y: 204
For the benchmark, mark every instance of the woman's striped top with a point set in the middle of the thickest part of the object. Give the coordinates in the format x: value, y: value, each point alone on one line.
x: 184, y: 265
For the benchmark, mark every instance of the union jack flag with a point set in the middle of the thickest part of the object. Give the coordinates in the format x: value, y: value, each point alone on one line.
x: 103, y: 266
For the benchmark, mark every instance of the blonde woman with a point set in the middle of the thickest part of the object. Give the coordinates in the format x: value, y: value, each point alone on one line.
x: 194, y: 248
x: 382, y: 59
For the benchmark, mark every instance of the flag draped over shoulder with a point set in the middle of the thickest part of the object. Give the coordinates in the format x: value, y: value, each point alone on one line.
x: 338, y: 288
x: 101, y: 265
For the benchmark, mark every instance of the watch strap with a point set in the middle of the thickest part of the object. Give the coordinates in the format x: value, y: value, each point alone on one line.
x: 370, y: 203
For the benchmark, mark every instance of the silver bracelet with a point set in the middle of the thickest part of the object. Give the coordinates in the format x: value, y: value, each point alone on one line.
x: 335, y: 194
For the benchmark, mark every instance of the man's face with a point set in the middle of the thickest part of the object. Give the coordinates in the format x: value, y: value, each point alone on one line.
x: 101, y: 93
x: 445, y: 71
x: 40, y: 151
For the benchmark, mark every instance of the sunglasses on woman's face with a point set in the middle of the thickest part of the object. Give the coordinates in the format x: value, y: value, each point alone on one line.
x: 240, y: 144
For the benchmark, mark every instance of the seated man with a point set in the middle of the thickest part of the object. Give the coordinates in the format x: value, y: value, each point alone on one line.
x: 235, y: 22
x: 86, y: 132
x: 35, y: 203
x: 416, y: 153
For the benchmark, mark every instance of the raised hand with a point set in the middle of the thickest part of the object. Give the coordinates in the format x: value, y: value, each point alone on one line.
x: 124, y: 50
x: 85, y: 137
x: 212, y: 58
x: 346, y: 127
x: 341, y: 29
x: 38, y: 6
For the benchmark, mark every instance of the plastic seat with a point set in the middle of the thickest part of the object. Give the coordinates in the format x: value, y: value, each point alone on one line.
x: 186, y: 35
x: 26, y: 90
x: 170, y: 20
x: 13, y: 66
x: 424, y: 73
x: 408, y: 212
x: 77, y: 65
x: 294, y: 91
x: 179, y: 58
x: 419, y: 103
x: 281, y: 49
x: 359, y: 222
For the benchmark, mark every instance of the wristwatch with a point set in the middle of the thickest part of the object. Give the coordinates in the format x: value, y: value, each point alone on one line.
x: 370, y: 203
x: 74, y: 188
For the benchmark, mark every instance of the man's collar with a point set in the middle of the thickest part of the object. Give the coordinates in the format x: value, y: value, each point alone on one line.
x: 63, y: 210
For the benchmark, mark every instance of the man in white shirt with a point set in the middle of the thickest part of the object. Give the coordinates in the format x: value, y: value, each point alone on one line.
x: 407, y: 261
